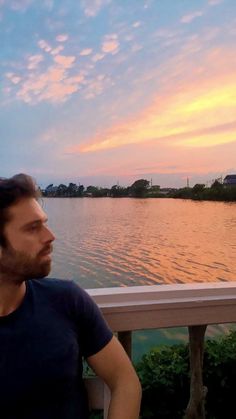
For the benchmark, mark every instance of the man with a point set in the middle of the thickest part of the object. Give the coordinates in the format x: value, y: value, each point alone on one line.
x: 47, y: 326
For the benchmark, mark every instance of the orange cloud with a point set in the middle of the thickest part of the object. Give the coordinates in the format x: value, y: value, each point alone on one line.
x: 200, y: 113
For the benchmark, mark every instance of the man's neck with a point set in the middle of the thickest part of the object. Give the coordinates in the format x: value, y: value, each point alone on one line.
x: 11, y: 296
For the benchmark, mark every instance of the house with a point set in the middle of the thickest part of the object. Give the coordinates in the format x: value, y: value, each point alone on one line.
x: 230, y: 180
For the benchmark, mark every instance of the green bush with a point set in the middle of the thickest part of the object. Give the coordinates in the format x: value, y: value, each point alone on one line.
x: 164, y: 374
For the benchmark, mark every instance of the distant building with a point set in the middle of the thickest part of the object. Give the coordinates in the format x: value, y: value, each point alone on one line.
x: 230, y: 180
x: 166, y: 191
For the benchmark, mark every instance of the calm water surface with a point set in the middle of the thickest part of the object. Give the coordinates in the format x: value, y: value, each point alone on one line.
x: 105, y: 242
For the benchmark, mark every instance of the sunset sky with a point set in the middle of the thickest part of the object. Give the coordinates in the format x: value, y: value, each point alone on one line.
x: 106, y: 91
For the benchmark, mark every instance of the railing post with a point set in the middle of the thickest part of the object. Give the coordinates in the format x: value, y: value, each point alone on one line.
x: 196, y: 404
x: 125, y: 339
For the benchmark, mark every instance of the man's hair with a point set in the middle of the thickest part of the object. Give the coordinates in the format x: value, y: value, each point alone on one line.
x: 12, y: 190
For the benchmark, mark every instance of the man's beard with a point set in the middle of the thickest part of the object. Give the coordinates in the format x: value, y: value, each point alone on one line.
x: 17, y: 267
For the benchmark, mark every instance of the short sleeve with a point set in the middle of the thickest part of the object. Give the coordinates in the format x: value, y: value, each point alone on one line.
x: 94, y: 333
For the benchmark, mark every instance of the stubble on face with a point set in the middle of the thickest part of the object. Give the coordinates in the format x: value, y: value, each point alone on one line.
x: 17, y: 267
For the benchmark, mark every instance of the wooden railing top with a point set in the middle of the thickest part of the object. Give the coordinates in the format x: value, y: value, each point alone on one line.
x: 157, y: 306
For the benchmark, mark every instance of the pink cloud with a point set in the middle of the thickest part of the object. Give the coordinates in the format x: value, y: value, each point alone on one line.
x: 190, y: 17
x: 34, y: 60
x: 92, y: 7
x: 86, y: 51
x: 110, y: 44
x: 19, y: 5
x: 58, y: 92
x: 214, y: 2
x: 98, y: 57
x: 44, y: 45
x: 53, y: 85
x: 57, y: 50
x: 64, y: 60
x: 15, y: 79
x: 136, y: 24
x: 62, y: 37
x: 96, y: 86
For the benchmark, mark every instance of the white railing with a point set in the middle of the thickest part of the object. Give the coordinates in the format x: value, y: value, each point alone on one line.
x: 163, y: 306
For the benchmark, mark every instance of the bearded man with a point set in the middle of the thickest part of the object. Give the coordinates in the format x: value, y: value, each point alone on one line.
x: 48, y: 326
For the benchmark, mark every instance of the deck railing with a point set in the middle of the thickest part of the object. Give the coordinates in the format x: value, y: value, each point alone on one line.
x: 161, y: 306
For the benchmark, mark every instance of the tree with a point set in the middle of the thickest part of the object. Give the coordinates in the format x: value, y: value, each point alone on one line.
x: 139, y: 188
x: 62, y: 190
x: 80, y: 190
x: 72, y: 189
x: 118, y: 191
x: 217, y: 185
x: 91, y: 189
x: 198, y: 188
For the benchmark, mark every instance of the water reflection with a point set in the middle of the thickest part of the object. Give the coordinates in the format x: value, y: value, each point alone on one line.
x: 124, y: 242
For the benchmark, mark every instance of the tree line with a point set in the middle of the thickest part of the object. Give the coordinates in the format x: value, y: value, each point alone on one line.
x: 141, y: 188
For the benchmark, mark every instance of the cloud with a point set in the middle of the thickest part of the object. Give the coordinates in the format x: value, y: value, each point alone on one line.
x: 136, y: 24
x: 91, y: 8
x: 96, y: 86
x: 86, y: 51
x: 44, y: 45
x: 34, y: 61
x: 53, y: 85
x: 14, y: 78
x: 185, y: 114
x: 65, y: 60
x: 98, y: 57
x: 110, y: 44
x: 190, y: 17
x: 136, y: 47
x: 214, y: 2
x: 18, y: 5
x: 58, y: 92
x: 57, y: 50
x: 62, y: 37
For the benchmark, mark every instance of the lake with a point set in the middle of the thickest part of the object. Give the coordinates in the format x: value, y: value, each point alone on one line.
x: 106, y: 242
x: 110, y: 242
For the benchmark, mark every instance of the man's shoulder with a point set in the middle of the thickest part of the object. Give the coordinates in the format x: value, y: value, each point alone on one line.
x: 56, y: 286
x: 61, y: 294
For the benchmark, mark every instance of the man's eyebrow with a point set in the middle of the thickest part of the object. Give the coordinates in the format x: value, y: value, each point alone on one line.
x: 36, y: 221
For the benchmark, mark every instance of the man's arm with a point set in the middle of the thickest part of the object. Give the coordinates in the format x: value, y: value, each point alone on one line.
x: 112, y: 364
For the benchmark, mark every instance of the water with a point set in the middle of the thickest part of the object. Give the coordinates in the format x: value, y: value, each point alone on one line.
x: 105, y: 242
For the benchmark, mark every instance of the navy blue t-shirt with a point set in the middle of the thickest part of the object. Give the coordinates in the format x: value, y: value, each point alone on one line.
x: 42, y: 344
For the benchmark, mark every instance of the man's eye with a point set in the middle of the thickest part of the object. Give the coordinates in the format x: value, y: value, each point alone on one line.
x: 33, y: 228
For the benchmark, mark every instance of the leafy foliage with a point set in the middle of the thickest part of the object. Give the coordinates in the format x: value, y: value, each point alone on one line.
x: 139, y: 188
x: 164, y: 374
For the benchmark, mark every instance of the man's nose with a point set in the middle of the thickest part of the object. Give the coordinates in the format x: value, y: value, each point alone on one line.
x: 49, y: 236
